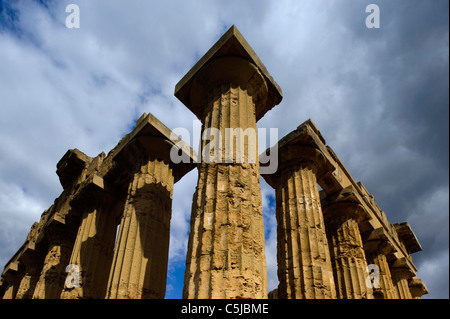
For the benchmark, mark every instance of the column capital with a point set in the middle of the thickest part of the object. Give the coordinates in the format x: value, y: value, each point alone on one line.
x: 231, y: 44
x: 345, y: 203
x: 58, y: 231
x: 227, y: 70
x: 70, y: 166
x: 150, y: 140
x: 303, y: 146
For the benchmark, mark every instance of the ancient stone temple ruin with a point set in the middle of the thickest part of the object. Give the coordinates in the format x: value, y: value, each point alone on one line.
x: 107, y: 234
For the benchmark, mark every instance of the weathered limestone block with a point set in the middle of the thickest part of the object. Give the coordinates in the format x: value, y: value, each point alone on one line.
x: 386, y: 288
x: 33, y: 263
x: 228, y: 90
x: 227, y: 257
x: 12, y: 276
x: 347, y: 253
x: 417, y: 288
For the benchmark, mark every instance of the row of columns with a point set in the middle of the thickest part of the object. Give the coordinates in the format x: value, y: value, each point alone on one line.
x: 321, y: 253
x: 321, y: 250
x: 89, y: 257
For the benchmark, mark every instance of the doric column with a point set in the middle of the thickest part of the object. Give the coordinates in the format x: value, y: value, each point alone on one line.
x: 33, y: 263
x: 139, y: 267
x: 401, y: 274
x: 60, y: 227
x: 377, y: 247
x: 304, y: 264
x: 93, y: 250
x: 12, y: 277
x: 61, y: 239
x: 346, y: 246
x: 226, y: 254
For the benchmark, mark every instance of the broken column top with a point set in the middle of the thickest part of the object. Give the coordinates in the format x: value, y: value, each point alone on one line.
x: 231, y: 44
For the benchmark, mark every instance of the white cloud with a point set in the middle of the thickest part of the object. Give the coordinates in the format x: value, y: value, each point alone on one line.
x: 18, y: 211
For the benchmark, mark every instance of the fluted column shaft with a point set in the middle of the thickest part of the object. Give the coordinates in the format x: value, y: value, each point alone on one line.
x: 51, y: 280
x: 93, y: 252
x: 139, y: 267
x: 386, y: 288
x: 304, y: 265
x: 226, y: 255
x: 14, y: 279
x: 347, y: 253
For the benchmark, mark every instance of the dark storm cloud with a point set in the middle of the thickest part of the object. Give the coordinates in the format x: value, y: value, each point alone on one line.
x: 408, y: 158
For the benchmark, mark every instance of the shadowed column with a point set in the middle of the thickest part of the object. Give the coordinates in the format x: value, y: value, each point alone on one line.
x: 139, y: 267
x: 348, y: 257
x: 377, y: 247
x: 93, y: 249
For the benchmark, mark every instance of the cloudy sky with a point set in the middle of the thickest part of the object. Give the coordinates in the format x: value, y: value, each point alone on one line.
x: 379, y: 97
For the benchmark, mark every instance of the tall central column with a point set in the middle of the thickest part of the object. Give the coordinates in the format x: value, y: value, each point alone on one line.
x: 226, y: 254
x: 93, y: 249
